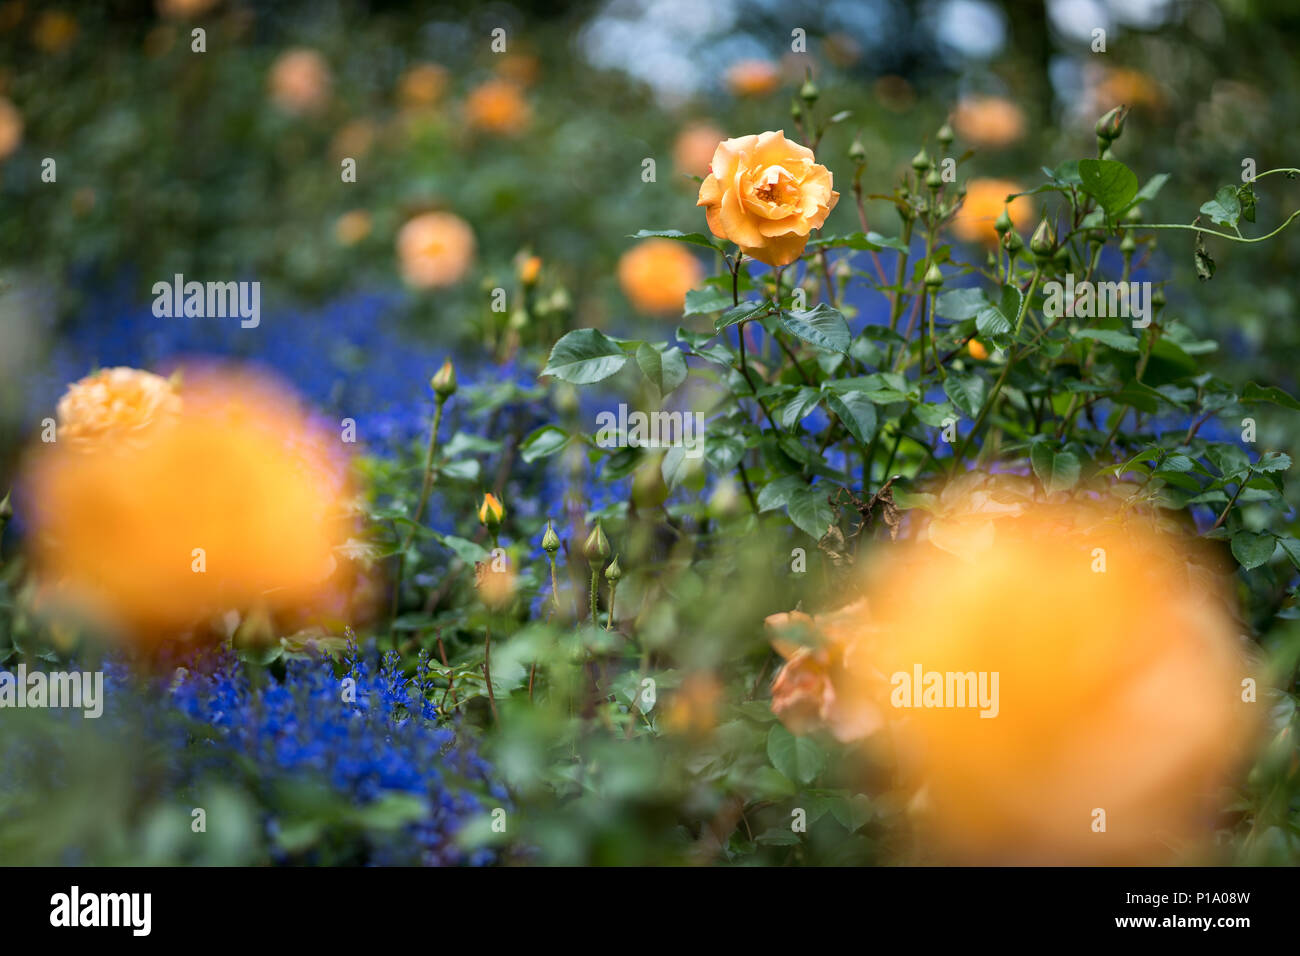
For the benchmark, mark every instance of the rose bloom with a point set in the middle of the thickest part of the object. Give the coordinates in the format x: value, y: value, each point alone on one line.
x: 422, y: 85
x: 694, y: 148
x: 300, y: 81
x: 988, y: 121
x: 115, y: 404
x: 498, y: 106
x: 233, y: 500
x: 983, y: 204
x: 753, y: 77
x: 435, y: 249
x: 11, y: 128
x: 656, y: 274
x: 1113, y: 86
x: 766, y: 194
x: 1118, y: 687
x: 813, y: 689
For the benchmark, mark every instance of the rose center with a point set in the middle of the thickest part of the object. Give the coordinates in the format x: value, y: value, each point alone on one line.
x: 774, y: 185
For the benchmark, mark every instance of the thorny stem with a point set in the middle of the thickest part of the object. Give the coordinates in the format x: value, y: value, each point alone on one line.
x: 425, y: 488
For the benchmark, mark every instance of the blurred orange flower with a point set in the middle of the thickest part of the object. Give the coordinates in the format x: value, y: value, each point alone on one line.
x: 984, y: 202
x: 519, y: 68
x: 766, y: 193
x: 989, y: 121
x: 11, y: 128
x: 435, y: 249
x: 497, y: 106
x: 694, y: 148
x: 813, y: 690
x: 184, y: 9
x: 422, y: 85
x: 977, y: 350
x: 300, y: 81
x: 753, y: 77
x: 54, y: 32
x: 694, y: 706
x: 351, y: 227
x: 234, y: 500
x: 656, y: 274
x: 1109, y: 678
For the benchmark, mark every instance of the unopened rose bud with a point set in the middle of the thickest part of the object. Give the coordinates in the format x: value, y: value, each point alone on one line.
x: 857, y: 152
x: 921, y: 161
x: 530, y: 268
x: 1111, y: 125
x: 1128, y: 245
x: 1003, y: 223
x: 945, y: 135
x: 933, y: 277
x: 809, y: 92
x: 443, y: 382
x: 613, y: 572
x: 1158, y: 297
x: 550, y: 540
x: 1013, y: 243
x: 491, y: 512
x: 933, y: 180
x: 596, y: 547
x: 1134, y: 215
x: 1043, y: 242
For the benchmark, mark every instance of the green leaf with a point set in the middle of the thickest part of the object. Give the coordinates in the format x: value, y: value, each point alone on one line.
x: 823, y: 327
x: 1291, y: 548
x: 1254, y: 394
x: 872, y: 241
x: 700, y: 301
x: 1057, y: 470
x: 776, y: 494
x: 1224, y: 208
x: 1252, y: 549
x: 1000, y: 318
x: 799, y: 407
x: 966, y: 391
x: 960, y: 304
x: 468, y: 551
x: 1152, y: 188
x: 543, y: 443
x: 1112, y: 338
x: 664, y: 370
x: 738, y: 314
x: 810, y: 510
x: 799, y: 758
x: 1110, y: 182
x: 857, y: 411
x: 584, y: 356
x: 694, y: 238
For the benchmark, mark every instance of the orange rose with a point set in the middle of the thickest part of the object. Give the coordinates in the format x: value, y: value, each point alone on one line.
x: 694, y: 707
x: 435, y: 249
x: 753, y: 77
x: 984, y: 202
x: 656, y: 274
x: 498, y: 106
x: 988, y: 121
x: 300, y: 81
x: 1087, y: 664
x: 812, y: 690
x: 235, y: 499
x: 115, y: 403
x: 422, y: 85
x: 351, y: 227
x: 766, y: 194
